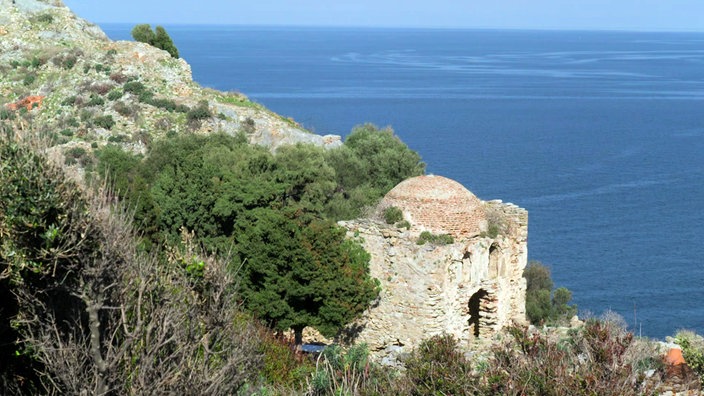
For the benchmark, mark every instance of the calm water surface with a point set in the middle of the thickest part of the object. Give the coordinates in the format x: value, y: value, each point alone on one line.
x: 600, y: 135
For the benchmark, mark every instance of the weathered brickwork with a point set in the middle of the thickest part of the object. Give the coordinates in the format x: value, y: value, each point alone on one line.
x: 471, y: 289
x: 439, y: 205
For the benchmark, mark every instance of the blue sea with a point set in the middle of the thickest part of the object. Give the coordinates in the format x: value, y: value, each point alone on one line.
x: 600, y: 135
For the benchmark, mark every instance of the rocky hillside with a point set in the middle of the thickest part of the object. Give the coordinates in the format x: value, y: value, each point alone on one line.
x: 60, y: 75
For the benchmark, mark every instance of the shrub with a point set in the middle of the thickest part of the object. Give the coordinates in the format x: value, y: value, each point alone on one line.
x: 66, y: 132
x: 166, y: 104
x: 201, y: 112
x: 542, y: 303
x: 29, y: 79
x: 36, y: 62
x: 118, y: 78
x: 282, y: 365
x: 125, y: 110
x: 6, y: 114
x: 69, y: 62
x: 105, y: 121
x: 45, y: 18
x: 435, y: 239
x: 340, y: 373
x: 112, y: 52
x: 76, y: 155
x: 95, y: 100
x: 115, y: 94
x: 692, y: 350
x: 117, y: 139
x: 248, y: 126
x: 437, y: 367
x: 101, y: 88
x: 393, y: 215
x: 86, y: 115
x: 134, y: 87
x: 601, y: 358
x: 403, y: 224
x: 69, y: 101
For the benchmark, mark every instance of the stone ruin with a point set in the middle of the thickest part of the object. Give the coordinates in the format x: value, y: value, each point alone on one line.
x: 471, y: 288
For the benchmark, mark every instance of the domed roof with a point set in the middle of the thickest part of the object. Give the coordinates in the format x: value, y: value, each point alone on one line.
x: 439, y: 205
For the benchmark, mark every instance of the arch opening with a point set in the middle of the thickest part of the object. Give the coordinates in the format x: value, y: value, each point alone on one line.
x: 482, y: 313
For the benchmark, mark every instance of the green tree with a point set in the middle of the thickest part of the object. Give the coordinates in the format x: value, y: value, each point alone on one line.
x: 163, y: 41
x: 143, y: 33
x: 298, y: 268
x: 297, y: 275
x: 542, y: 303
x: 371, y: 162
x: 159, y: 39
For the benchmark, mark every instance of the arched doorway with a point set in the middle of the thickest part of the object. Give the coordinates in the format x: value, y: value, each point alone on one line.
x: 482, y: 309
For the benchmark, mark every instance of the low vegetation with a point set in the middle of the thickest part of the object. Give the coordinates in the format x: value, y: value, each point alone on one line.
x: 435, y: 239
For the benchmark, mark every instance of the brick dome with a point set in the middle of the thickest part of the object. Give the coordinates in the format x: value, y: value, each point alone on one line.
x: 439, y: 205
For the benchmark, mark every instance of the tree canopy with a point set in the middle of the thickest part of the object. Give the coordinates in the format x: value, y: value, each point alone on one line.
x: 274, y: 214
x: 159, y: 39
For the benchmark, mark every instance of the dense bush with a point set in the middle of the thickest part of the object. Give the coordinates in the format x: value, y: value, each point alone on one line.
x: 200, y: 112
x: 159, y: 39
x: 393, y: 215
x: 84, y: 312
x: 692, y: 350
x: 369, y: 164
x: 105, y: 121
x: 298, y: 268
x: 438, y: 367
x: 115, y: 94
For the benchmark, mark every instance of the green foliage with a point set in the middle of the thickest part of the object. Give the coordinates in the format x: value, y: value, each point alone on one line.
x: 393, y: 215
x: 370, y: 163
x: 282, y: 365
x: 200, y: 112
x: 435, y: 239
x: 159, y: 39
x: 115, y: 94
x: 95, y: 100
x: 542, y: 303
x: 340, y: 373
x: 403, y: 224
x: 134, y: 87
x: 29, y: 79
x: 76, y: 155
x: 437, y: 367
x: 38, y: 214
x: 143, y: 33
x: 299, y: 275
x: 72, y: 272
x: 45, y: 18
x: 6, y: 114
x: 163, y: 41
x: 297, y: 268
x: 692, y: 350
x: 105, y: 121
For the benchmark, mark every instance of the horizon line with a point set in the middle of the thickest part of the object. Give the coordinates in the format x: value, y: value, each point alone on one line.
x: 371, y: 27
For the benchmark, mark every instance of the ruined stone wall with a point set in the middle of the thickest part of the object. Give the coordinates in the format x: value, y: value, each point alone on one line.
x: 470, y: 289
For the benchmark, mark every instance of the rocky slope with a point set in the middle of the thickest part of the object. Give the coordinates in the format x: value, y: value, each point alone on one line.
x: 60, y: 75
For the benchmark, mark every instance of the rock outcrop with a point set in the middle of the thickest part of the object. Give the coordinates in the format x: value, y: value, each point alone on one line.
x: 471, y: 288
x: 47, y: 51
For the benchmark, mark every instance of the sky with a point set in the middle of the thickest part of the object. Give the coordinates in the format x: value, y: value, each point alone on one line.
x: 642, y: 15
